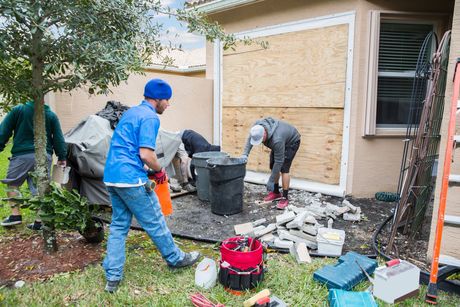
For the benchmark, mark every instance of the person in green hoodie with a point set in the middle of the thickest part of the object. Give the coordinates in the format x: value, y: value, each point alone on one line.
x: 19, y: 124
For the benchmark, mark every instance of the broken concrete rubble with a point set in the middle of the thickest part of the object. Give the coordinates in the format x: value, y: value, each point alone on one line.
x: 244, y: 229
x: 285, y: 235
x: 352, y: 217
x: 300, y: 252
x: 310, y: 229
x: 269, y: 237
x: 265, y: 230
x: 303, y: 235
x: 298, y: 221
x: 278, y: 243
x: 285, y: 218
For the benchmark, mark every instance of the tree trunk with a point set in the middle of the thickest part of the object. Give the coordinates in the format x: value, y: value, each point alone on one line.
x: 41, y: 165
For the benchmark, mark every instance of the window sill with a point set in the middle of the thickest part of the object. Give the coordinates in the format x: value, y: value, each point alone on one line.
x: 390, y: 132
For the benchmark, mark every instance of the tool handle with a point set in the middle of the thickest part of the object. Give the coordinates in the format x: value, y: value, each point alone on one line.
x: 393, y: 262
x: 255, y: 298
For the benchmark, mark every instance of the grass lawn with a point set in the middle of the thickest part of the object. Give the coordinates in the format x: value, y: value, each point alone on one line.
x: 148, y: 281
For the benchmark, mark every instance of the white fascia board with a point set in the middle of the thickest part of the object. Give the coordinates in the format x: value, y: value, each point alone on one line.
x: 218, y: 6
x: 307, y: 185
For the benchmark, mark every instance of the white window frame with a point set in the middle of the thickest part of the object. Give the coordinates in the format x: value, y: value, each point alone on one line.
x: 313, y: 23
x: 375, y: 19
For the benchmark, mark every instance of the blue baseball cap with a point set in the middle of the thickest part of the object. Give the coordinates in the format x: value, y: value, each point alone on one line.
x: 157, y: 89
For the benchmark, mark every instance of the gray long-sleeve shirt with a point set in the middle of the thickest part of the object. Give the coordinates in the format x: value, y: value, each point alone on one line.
x: 279, y: 135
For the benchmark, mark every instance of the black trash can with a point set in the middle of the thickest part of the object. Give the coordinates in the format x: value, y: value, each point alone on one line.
x: 199, y: 160
x: 226, y: 187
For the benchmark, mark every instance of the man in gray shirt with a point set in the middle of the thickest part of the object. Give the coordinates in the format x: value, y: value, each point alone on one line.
x: 284, y: 141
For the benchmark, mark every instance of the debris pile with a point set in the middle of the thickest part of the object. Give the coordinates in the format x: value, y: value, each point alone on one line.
x: 297, y: 227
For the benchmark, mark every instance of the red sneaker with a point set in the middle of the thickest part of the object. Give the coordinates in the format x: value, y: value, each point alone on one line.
x: 282, y: 204
x: 272, y: 196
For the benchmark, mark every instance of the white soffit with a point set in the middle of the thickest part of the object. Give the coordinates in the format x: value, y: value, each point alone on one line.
x: 300, y: 25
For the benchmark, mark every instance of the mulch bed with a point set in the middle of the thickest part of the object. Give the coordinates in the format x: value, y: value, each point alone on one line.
x: 23, y: 258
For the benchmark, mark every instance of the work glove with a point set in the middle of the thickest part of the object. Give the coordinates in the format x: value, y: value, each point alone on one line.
x: 158, y: 176
x: 270, y: 186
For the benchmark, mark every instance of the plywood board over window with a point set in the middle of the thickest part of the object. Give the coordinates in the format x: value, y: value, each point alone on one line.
x: 301, y: 79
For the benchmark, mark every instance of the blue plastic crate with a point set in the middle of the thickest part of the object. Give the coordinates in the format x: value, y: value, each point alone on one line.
x: 346, y: 273
x: 342, y: 298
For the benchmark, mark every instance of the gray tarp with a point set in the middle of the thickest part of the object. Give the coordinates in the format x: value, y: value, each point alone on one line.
x: 89, y: 143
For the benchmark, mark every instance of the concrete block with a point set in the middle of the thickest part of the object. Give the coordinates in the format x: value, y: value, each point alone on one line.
x: 353, y: 209
x: 318, y: 210
x: 265, y: 230
x: 352, y: 217
x: 298, y: 221
x: 331, y: 207
x: 296, y: 210
x: 310, y: 220
x: 269, y: 237
x: 259, y: 222
x: 283, y: 227
x: 285, y: 235
x: 282, y: 243
x: 244, y: 229
x: 342, y: 210
x: 285, y: 217
x: 300, y: 252
x: 258, y: 228
x: 310, y: 229
x: 302, y: 235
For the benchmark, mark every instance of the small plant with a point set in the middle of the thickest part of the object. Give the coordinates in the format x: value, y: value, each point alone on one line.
x: 61, y: 209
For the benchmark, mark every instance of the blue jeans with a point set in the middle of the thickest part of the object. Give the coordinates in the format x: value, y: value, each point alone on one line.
x: 144, y: 205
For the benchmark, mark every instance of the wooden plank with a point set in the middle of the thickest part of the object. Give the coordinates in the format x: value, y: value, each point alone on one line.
x: 300, y: 69
x: 319, y: 155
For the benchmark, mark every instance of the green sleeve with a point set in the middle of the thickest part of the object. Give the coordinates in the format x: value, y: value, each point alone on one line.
x: 59, y: 145
x: 7, y: 128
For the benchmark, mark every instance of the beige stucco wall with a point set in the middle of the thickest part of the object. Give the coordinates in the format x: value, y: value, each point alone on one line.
x: 451, y: 235
x: 373, y: 163
x: 191, y: 103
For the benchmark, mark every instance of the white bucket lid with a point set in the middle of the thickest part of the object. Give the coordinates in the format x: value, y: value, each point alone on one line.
x: 324, y: 233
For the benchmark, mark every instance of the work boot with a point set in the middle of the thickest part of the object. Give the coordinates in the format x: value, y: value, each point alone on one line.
x: 12, y: 220
x: 188, y: 187
x: 272, y: 196
x: 282, y: 204
x: 112, y: 285
x: 189, y: 260
x: 174, y: 188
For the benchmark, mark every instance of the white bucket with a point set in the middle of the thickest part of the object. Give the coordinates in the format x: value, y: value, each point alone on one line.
x: 330, y: 241
x: 206, y: 273
x: 60, y: 174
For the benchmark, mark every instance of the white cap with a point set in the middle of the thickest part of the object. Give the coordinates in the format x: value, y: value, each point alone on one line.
x: 257, y: 134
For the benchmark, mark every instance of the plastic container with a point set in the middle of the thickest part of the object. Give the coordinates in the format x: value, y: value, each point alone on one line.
x: 330, y: 241
x: 206, y: 273
x: 346, y: 273
x: 341, y: 298
x: 227, y: 185
x: 202, y: 173
x: 162, y: 192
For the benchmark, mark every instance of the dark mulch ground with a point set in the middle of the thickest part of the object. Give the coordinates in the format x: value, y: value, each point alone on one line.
x: 23, y: 258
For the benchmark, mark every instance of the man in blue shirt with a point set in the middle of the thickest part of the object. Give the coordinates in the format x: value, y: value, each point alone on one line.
x: 132, y: 150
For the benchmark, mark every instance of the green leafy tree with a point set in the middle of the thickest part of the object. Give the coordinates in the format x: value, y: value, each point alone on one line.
x: 60, y: 45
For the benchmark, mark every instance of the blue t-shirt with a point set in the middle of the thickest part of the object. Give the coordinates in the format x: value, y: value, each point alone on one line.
x: 138, y: 127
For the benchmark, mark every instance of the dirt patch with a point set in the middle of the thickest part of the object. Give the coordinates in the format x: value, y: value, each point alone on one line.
x: 23, y: 258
